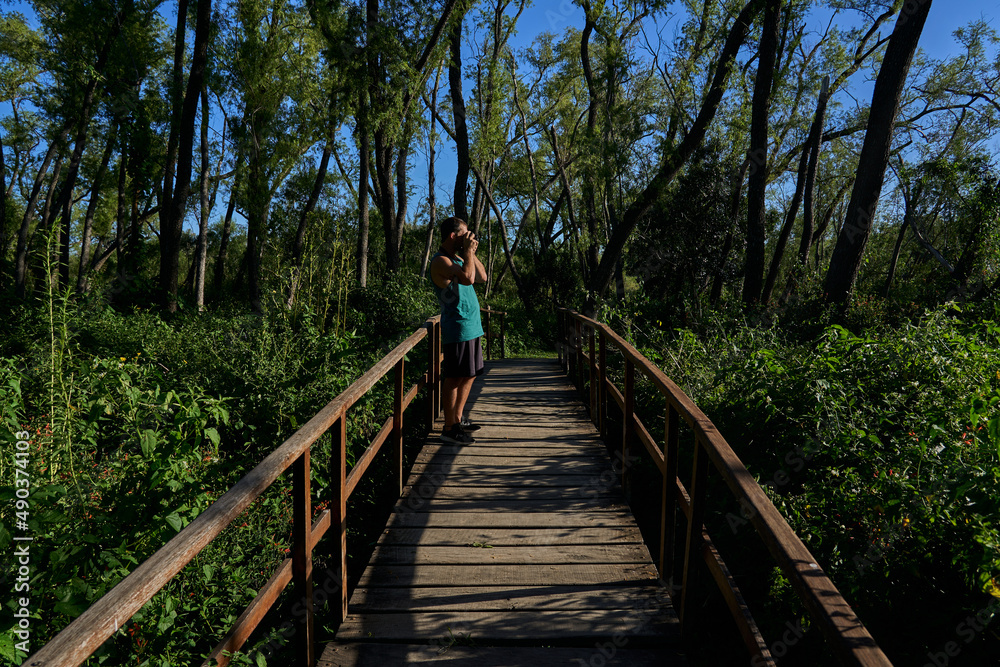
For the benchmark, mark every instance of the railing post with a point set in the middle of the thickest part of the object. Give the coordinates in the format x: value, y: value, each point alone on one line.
x: 397, y: 423
x: 603, y: 389
x: 302, y: 569
x: 338, y: 509
x: 489, y: 337
x: 692, y: 545
x: 433, y: 374
x: 578, y: 344
x: 560, y: 339
x: 668, y: 501
x: 627, y: 418
x: 437, y: 368
x: 593, y: 377
x: 503, y: 335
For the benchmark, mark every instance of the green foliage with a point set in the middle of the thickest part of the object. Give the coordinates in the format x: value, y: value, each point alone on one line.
x: 880, y: 448
x: 138, y: 424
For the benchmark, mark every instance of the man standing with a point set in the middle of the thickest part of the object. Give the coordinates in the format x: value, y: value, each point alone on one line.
x: 454, y: 269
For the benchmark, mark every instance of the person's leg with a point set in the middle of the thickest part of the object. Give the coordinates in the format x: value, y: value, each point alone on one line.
x: 461, y: 394
x: 449, y: 400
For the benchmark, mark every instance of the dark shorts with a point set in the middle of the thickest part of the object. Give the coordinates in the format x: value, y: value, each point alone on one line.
x: 462, y: 360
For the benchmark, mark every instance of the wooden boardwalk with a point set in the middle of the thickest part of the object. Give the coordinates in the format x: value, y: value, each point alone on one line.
x: 516, y: 550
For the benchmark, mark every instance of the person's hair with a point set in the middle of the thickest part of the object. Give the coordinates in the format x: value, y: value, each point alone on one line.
x: 450, y: 226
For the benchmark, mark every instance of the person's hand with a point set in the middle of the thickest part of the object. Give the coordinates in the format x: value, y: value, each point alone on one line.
x: 469, y: 242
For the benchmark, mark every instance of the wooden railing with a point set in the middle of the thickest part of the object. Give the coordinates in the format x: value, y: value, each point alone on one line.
x: 586, y: 360
x: 488, y: 315
x: 85, y: 635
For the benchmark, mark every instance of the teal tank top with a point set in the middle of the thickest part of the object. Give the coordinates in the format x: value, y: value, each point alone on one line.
x: 460, y: 319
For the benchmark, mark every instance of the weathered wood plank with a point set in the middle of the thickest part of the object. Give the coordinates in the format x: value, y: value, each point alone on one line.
x: 482, y: 598
x: 513, y: 493
x: 512, y: 537
x: 441, y: 478
x: 585, y: 574
x: 579, y: 504
x: 383, y: 655
x: 513, y: 467
x: 483, y: 553
x: 612, y: 517
x: 489, y: 626
x: 530, y: 448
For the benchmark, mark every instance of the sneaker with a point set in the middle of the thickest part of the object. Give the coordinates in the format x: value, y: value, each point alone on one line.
x: 456, y: 436
x: 468, y: 426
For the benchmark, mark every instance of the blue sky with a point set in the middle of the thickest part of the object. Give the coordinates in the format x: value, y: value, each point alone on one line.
x: 556, y: 16
x: 937, y: 40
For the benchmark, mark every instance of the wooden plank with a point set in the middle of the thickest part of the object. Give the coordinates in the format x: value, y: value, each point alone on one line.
x: 516, y: 463
x: 491, y: 626
x: 497, y: 505
x: 455, y: 655
x: 606, y: 518
x: 511, y: 537
x: 440, y: 478
x: 483, y: 553
x: 509, y: 468
x: 508, y: 575
x: 523, y: 598
x: 513, y: 450
x: 502, y: 493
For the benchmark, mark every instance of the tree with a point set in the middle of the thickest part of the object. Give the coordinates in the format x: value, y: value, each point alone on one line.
x: 848, y: 253
x: 674, y: 159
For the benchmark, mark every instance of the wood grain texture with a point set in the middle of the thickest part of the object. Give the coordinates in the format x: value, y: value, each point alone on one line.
x: 519, y: 541
x: 456, y: 655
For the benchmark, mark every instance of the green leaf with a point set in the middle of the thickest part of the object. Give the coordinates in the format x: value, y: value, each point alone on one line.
x: 175, y: 521
x: 148, y: 442
x: 208, y: 570
x: 212, y: 435
x: 994, y: 428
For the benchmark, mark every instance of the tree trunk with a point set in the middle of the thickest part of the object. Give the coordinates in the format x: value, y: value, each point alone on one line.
x: 88, y: 222
x: 891, y: 273
x: 176, y: 101
x: 82, y: 123
x: 786, y: 229
x: 3, y: 211
x: 21, y: 257
x: 431, y: 195
x: 813, y: 144
x: 674, y: 161
x: 172, y: 222
x: 847, y: 255
x: 588, y: 186
x: 757, y: 187
x: 363, y: 216
x: 461, y: 129
x: 300, y: 233
x: 727, y: 246
x: 201, y: 250
x: 220, y: 262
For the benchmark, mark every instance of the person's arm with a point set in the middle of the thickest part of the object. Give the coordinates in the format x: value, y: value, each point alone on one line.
x: 443, y: 271
x: 481, y: 276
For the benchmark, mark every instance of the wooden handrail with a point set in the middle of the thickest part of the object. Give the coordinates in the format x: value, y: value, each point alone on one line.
x: 488, y: 314
x: 77, y: 641
x: 851, y: 642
